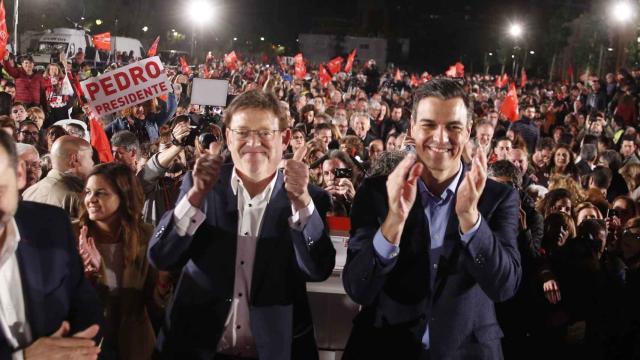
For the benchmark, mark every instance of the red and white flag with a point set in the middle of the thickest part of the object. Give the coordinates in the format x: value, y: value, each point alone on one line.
x: 102, y: 41
x: 335, y: 64
x: 184, y: 66
x: 325, y: 77
x: 523, y: 78
x: 300, y: 66
x: 231, y: 61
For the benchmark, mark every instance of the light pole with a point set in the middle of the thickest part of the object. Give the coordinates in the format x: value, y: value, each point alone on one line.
x: 15, y: 26
x: 200, y: 12
x: 621, y: 12
x: 515, y: 30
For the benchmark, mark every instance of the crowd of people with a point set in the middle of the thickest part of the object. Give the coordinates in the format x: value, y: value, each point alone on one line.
x: 571, y: 158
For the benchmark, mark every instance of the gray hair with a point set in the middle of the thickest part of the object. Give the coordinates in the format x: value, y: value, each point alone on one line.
x: 22, y: 148
x: 127, y: 140
x: 589, y: 152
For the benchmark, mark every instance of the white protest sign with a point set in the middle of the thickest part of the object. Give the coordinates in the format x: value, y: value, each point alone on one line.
x: 126, y: 86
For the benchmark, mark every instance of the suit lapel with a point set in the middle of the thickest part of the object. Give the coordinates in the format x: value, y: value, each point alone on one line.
x: 31, y: 274
x: 274, y: 225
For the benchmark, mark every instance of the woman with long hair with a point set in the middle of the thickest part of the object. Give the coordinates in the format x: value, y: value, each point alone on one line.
x: 113, y: 244
x: 563, y: 162
x: 56, y: 96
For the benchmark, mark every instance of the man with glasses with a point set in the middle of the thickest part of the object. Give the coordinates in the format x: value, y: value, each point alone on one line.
x: 28, y: 133
x: 246, y: 238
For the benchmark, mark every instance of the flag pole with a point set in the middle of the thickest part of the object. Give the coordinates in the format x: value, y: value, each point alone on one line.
x: 15, y: 27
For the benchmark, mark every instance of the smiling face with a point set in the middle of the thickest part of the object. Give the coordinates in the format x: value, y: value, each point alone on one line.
x: 100, y: 199
x: 255, y: 156
x: 441, y: 130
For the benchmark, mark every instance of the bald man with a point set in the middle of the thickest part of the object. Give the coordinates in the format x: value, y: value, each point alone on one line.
x: 71, y: 162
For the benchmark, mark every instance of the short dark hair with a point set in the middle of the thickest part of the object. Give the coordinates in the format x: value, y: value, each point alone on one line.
x: 628, y: 137
x: 546, y: 143
x: 257, y: 99
x: 322, y: 126
x: 505, y: 168
x: 9, y: 145
x: 443, y: 89
x: 601, y: 177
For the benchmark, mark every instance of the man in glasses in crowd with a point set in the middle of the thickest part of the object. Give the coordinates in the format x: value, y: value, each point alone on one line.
x: 246, y: 238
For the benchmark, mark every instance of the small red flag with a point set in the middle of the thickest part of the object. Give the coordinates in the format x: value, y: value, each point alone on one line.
x: 300, y: 67
x: 523, y: 78
x: 184, y: 66
x: 334, y: 65
x: 398, y: 75
x: 4, y: 34
x: 456, y: 70
x: 350, y: 59
x: 231, y: 61
x: 102, y: 41
x: 509, y: 107
x: 502, y: 81
x: 100, y: 141
x: 414, y: 80
x: 325, y: 78
x: 153, y: 49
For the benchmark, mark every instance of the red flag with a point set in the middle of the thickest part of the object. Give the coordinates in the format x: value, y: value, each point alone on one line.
x: 102, y: 41
x: 78, y: 89
x: 301, y: 68
x: 523, y: 78
x: 334, y: 65
x: 99, y: 140
x: 509, y: 107
x: 459, y: 69
x: 325, y: 78
x: 4, y: 34
x: 231, y: 61
x: 451, y: 72
x: 350, y: 59
x: 153, y: 49
x: 414, y: 80
x: 398, y: 75
x: 205, y: 70
x: 264, y: 58
x: 184, y: 66
x: 502, y: 81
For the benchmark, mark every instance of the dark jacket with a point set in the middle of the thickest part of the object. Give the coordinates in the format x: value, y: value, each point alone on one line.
x: 397, y: 301
x: 285, y: 260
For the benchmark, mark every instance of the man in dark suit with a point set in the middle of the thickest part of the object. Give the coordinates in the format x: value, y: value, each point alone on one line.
x: 47, y: 308
x: 246, y: 238
x: 432, y: 246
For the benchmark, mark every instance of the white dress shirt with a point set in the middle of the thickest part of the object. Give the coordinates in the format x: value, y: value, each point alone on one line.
x: 13, y: 320
x: 237, y: 339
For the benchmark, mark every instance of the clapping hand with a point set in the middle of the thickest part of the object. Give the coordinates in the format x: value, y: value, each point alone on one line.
x: 470, y: 191
x: 90, y: 255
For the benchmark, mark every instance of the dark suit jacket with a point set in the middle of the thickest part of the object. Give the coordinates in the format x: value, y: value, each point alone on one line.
x: 53, y: 283
x: 397, y: 298
x: 285, y: 260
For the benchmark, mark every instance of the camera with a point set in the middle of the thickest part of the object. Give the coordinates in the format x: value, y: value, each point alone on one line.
x: 205, y: 128
x: 611, y: 213
x: 343, y: 173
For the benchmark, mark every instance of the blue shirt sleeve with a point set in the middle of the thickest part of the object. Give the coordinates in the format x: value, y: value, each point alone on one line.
x: 469, y: 234
x: 385, y: 251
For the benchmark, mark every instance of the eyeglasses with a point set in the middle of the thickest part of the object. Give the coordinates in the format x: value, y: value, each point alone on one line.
x: 298, y: 137
x: 263, y: 134
x: 32, y: 133
x: 33, y: 165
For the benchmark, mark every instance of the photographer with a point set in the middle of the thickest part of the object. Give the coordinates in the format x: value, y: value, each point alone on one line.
x: 340, y: 177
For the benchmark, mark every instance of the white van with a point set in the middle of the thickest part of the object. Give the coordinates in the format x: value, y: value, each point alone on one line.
x: 70, y: 41
x: 61, y: 40
x: 125, y: 44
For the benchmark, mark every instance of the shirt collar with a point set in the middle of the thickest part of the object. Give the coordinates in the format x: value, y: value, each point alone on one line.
x: 427, y: 195
x: 236, y: 182
x: 10, y: 242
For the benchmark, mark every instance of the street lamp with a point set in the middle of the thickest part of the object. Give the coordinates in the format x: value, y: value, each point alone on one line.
x: 622, y: 11
x: 200, y: 12
x: 515, y: 30
x: 145, y: 28
x: 261, y: 38
x: 98, y: 22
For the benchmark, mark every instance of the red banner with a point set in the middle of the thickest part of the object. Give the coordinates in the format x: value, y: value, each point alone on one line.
x: 154, y: 47
x: 350, y: 59
x: 509, y: 107
x: 102, y: 41
x: 456, y: 70
x: 334, y: 65
x: 184, y: 66
x: 502, y: 81
x: 414, y: 80
x: 301, y: 68
x: 100, y: 141
x: 4, y: 34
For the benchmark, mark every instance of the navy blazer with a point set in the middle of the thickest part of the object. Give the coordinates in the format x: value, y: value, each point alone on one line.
x: 53, y: 283
x: 397, y: 298
x: 285, y: 260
